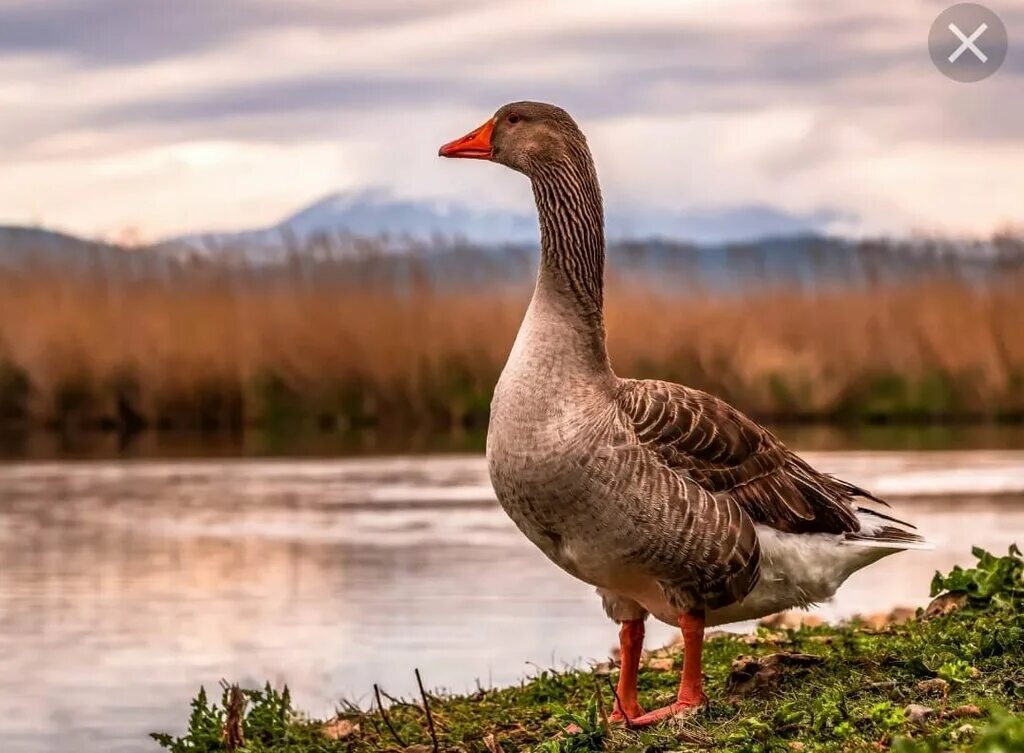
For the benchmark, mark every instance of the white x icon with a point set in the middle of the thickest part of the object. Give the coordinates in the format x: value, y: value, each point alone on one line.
x: 967, y: 43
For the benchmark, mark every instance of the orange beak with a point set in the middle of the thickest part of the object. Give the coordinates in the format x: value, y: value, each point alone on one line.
x: 474, y: 145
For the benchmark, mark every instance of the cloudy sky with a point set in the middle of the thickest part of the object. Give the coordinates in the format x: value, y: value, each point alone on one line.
x: 162, y: 117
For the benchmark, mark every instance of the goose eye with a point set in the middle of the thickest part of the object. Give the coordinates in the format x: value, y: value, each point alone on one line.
x: 512, y: 118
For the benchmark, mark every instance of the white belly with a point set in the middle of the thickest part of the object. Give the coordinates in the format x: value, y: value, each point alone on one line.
x: 797, y: 570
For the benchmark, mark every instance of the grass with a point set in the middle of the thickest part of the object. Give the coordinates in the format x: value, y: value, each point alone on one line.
x: 950, y: 683
x: 321, y: 346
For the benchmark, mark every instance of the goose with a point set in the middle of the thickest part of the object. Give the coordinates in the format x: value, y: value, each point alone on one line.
x: 668, y: 500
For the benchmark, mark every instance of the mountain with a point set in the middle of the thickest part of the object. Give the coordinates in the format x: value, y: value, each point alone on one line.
x: 27, y: 245
x: 374, y: 212
x: 452, y: 244
x: 378, y: 214
x: 371, y: 213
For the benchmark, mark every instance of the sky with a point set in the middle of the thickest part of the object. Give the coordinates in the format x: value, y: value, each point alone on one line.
x: 143, y: 119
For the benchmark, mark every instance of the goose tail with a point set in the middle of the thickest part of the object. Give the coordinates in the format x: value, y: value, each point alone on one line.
x: 881, y: 531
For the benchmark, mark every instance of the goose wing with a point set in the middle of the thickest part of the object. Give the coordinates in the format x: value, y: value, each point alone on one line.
x: 736, y: 459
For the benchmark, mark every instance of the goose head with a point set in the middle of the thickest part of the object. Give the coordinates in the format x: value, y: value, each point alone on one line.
x: 525, y: 136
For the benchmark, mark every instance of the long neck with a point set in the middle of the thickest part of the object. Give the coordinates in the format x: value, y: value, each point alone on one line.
x: 570, y: 282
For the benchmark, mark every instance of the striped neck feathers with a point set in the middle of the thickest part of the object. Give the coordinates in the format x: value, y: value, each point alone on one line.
x: 571, y: 274
x: 572, y: 231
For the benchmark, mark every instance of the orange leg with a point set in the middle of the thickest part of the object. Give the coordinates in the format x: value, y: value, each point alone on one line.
x: 631, y: 645
x: 691, y: 683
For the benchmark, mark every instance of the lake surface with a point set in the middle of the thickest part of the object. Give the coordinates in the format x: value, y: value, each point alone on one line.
x: 124, y: 585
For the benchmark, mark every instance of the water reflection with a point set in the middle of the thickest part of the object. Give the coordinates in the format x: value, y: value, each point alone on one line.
x: 162, y: 445
x: 125, y: 585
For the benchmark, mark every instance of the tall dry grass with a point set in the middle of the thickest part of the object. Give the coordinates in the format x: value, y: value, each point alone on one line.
x: 227, y: 348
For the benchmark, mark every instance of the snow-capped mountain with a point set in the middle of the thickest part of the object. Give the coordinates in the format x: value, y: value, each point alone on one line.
x: 378, y: 214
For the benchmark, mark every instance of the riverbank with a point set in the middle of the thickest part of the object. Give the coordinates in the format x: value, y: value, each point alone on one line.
x: 256, y: 443
x: 950, y: 678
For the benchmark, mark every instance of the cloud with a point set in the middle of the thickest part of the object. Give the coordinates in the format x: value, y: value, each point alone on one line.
x: 115, y: 32
x: 603, y: 71
x: 795, y: 105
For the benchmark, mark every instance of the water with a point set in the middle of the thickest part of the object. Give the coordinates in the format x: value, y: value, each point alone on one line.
x: 124, y: 585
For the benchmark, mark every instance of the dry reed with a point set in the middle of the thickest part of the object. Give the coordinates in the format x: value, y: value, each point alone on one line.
x: 232, y: 349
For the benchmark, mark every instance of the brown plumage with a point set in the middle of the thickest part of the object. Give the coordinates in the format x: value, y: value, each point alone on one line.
x: 729, y: 454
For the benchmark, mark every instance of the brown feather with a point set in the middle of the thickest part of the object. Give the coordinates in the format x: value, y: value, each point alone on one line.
x: 734, y: 457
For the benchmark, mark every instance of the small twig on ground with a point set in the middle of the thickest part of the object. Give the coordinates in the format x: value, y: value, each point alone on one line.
x: 492, y: 744
x: 397, y: 701
x: 426, y: 708
x: 345, y: 706
x: 384, y: 716
x: 600, y: 708
x: 376, y: 729
x: 618, y: 704
x: 692, y: 735
x: 871, y: 686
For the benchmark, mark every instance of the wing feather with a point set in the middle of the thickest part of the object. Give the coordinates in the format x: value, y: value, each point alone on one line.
x: 735, y: 458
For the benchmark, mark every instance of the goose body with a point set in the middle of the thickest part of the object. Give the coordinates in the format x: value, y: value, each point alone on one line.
x: 568, y: 468
x: 669, y: 501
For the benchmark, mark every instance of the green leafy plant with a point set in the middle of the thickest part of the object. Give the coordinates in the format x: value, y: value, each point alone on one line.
x: 886, y: 716
x: 955, y: 671
x: 909, y: 745
x: 588, y: 732
x: 753, y: 735
x: 205, y: 725
x: 1000, y: 578
x: 269, y: 723
x: 1004, y: 734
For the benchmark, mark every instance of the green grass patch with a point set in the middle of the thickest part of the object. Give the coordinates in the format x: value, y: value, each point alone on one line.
x: 952, y: 682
